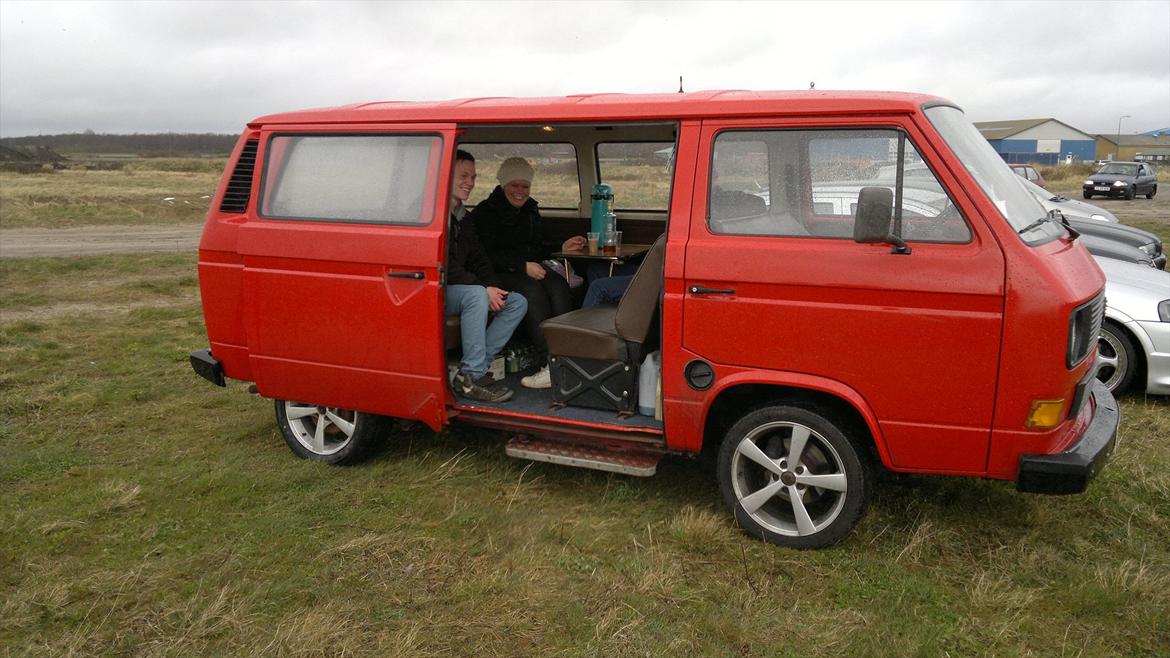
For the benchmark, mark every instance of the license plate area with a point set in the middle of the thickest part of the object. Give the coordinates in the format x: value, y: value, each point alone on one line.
x: 1100, y: 189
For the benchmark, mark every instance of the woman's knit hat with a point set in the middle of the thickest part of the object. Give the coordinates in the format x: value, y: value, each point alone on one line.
x: 515, y: 169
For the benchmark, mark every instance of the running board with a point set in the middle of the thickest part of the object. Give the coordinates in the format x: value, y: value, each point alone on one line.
x: 627, y: 461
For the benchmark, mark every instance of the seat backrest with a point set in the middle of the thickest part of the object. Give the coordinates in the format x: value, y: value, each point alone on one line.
x: 637, y: 307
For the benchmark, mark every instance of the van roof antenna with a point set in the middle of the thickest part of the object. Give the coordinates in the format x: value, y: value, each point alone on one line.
x: 680, y: 84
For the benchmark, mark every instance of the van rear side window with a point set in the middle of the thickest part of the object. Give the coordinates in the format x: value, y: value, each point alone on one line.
x: 351, y: 178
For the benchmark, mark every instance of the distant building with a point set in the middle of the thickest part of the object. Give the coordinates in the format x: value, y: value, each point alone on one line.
x: 1131, y: 146
x: 1156, y: 133
x: 1042, y: 141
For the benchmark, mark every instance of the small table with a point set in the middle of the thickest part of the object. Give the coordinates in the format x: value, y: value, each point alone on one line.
x: 624, y: 252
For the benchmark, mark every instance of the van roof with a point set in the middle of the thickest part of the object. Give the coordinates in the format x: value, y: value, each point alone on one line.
x: 611, y: 107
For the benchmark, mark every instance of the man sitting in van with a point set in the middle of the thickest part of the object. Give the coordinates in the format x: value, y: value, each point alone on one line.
x: 473, y: 293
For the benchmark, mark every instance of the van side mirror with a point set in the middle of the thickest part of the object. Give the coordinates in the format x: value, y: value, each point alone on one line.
x: 875, y: 210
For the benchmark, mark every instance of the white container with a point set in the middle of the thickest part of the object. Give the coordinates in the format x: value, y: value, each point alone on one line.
x: 648, y: 376
x: 497, y: 369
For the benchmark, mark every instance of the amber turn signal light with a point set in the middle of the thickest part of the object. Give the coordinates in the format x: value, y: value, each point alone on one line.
x: 1045, y: 414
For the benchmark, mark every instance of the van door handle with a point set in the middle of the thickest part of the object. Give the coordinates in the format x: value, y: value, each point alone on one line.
x: 700, y: 290
x: 406, y: 275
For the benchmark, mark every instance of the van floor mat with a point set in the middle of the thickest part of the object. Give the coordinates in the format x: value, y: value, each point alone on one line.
x: 537, y: 402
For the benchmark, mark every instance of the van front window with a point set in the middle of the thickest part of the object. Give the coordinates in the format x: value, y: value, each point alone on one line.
x: 995, y: 178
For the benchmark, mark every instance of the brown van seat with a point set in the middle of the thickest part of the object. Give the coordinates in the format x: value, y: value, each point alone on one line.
x: 610, y: 333
x: 586, y: 333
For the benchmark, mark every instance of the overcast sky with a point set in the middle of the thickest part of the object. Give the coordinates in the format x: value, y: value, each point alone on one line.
x: 211, y: 67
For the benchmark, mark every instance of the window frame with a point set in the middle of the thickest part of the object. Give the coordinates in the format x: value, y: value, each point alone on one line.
x: 543, y: 207
x: 262, y: 197
x: 670, y: 171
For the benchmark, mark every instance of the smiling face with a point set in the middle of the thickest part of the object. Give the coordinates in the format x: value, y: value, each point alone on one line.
x: 517, y: 192
x: 463, y: 182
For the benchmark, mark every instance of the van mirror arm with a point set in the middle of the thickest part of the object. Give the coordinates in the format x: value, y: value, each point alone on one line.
x: 900, y: 246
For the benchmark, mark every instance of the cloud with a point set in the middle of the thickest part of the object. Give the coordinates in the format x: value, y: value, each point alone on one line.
x: 212, y: 66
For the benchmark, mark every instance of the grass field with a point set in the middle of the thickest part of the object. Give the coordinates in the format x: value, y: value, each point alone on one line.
x: 147, y: 512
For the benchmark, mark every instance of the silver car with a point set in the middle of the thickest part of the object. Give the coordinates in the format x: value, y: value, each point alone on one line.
x: 1135, y: 338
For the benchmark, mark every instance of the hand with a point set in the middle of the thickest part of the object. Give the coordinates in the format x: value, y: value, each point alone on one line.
x: 574, y: 243
x: 535, y: 270
x: 496, y: 298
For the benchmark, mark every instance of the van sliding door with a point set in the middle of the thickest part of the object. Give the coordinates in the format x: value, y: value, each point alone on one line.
x: 342, y: 266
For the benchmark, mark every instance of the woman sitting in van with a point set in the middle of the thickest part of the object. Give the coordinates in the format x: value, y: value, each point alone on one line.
x: 508, y: 223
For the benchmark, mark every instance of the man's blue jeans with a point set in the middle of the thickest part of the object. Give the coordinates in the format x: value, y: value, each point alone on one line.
x: 483, y: 340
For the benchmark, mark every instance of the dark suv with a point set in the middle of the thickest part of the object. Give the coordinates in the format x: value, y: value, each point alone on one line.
x: 1124, y: 179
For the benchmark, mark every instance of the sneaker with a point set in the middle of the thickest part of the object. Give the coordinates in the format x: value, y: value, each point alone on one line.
x: 542, y: 379
x: 484, y: 389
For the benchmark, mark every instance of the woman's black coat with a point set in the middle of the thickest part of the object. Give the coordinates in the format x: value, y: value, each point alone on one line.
x: 510, y: 235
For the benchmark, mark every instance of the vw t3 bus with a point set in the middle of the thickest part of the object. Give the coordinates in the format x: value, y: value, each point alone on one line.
x: 880, y: 293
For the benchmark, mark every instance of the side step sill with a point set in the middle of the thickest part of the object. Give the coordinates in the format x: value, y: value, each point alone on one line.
x: 615, y: 460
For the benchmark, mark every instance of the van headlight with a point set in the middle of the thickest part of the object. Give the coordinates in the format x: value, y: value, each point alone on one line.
x: 1100, y: 218
x: 1164, y: 310
x: 1119, y: 183
x: 1088, y: 182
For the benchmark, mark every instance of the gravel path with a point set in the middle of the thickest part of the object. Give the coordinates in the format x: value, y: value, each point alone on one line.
x: 97, y: 240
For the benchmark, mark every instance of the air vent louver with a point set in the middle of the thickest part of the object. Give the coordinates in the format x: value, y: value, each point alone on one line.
x: 239, y: 188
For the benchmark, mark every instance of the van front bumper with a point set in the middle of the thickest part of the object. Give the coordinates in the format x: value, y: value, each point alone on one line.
x: 1069, y: 472
x: 207, y: 367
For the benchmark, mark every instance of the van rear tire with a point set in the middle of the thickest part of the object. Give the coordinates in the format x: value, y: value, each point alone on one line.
x: 793, y: 478
x: 329, y: 434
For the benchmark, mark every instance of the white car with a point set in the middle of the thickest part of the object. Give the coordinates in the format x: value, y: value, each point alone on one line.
x: 1135, y: 337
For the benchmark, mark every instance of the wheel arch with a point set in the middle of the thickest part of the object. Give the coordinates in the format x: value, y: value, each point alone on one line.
x: 738, y: 395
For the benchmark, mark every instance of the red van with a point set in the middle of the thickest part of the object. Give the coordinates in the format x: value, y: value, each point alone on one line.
x: 833, y: 282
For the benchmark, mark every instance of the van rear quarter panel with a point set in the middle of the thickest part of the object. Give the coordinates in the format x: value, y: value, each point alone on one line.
x: 220, y: 268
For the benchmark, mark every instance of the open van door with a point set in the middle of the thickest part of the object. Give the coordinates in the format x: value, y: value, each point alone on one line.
x: 343, y: 264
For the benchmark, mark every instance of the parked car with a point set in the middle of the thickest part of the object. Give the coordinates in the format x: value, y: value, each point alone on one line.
x: 1104, y: 235
x: 1123, y: 179
x: 1134, y: 347
x: 1070, y: 208
x: 803, y: 343
x: 1107, y: 248
x: 1029, y: 173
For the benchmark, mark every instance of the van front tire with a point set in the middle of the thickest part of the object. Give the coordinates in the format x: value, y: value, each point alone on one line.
x: 328, y: 434
x: 793, y: 478
x: 1116, y: 358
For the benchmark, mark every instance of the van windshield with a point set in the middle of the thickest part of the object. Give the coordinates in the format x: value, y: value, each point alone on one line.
x: 995, y: 178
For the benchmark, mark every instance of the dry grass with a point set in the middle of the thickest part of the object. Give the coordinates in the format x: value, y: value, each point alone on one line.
x: 135, y: 195
x: 1067, y: 176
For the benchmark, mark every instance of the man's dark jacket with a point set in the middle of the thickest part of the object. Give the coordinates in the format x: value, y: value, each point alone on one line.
x: 467, y: 264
